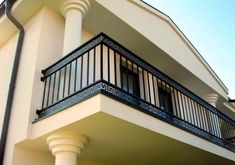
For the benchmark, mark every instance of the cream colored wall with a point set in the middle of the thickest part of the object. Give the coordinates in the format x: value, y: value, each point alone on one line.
x: 87, y: 162
x: 42, y: 46
x: 7, y: 53
x: 27, y: 156
x: 20, y: 107
x: 86, y: 36
x: 165, y: 36
x: 49, y: 51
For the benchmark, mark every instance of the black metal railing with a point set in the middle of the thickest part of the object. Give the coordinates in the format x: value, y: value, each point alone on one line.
x: 104, y: 66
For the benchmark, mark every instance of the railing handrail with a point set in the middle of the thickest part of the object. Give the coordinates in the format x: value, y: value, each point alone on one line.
x: 106, y: 40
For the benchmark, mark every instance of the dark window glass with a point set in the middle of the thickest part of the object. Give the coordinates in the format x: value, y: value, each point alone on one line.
x: 165, y: 100
x: 130, y: 81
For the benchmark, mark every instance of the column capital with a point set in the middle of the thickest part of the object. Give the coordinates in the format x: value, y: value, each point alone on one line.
x: 211, y: 98
x: 66, y: 142
x: 81, y: 5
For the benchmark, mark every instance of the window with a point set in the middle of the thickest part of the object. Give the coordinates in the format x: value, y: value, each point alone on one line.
x: 130, y: 80
x: 165, y: 100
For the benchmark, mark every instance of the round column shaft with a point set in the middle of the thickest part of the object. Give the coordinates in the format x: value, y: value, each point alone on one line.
x: 74, y: 11
x: 66, y: 158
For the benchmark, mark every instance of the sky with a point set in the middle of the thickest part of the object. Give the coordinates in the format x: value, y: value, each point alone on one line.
x: 1, y: 1
x: 210, y: 27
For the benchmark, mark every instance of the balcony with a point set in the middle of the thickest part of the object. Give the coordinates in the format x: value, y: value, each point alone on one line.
x: 104, y: 66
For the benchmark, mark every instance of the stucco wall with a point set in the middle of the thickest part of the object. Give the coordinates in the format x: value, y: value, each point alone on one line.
x: 7, y: 53
x: 42, y: 46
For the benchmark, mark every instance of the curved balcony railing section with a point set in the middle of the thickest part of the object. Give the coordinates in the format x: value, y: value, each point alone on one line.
x: 104, y: 66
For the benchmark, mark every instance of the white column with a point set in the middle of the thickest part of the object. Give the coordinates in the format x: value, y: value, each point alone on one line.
x: 66, y: 147
x: 74, y: 11
x: 211, y: 99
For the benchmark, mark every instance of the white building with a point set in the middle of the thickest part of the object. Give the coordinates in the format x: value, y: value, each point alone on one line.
x: 120, y: 84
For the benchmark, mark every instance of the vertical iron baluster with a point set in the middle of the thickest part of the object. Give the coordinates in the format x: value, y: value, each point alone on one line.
x: 53, y: 89
x: 94, y: 61
x: 225, y: 130
x: 48, y: 92
x: 132, y: 77
x: 220, y: 126
x: 121, y: 70
x: 209, y: 120
x: 176, y: 103
x: 115, y: 69
x: 81, y: 72
x: 154, y: 94
x: 212, y: 122
x: 65, y: 71
x: 216, y: 125
x: 88, y: 62
x: 145, y: 98
x: 75, y: 76
x: 188, y: 109
x: 160, y: 97
x: 149, y: 92
x: 175, y: 112
x: 44, y: 92
x: 228, y: 130
x: 200, y: 116
x: 196, y: 113
x: 126, y: 68
x: 192, y: 111
x: 101, y: 61
x: 137, y: 67
x: 108, y: 60
x: 185, y: 107
x: 203, y: 119
x: 70, y: 72
x: 164, y: 94
x: 58, y: 88
x: 182, y: 105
